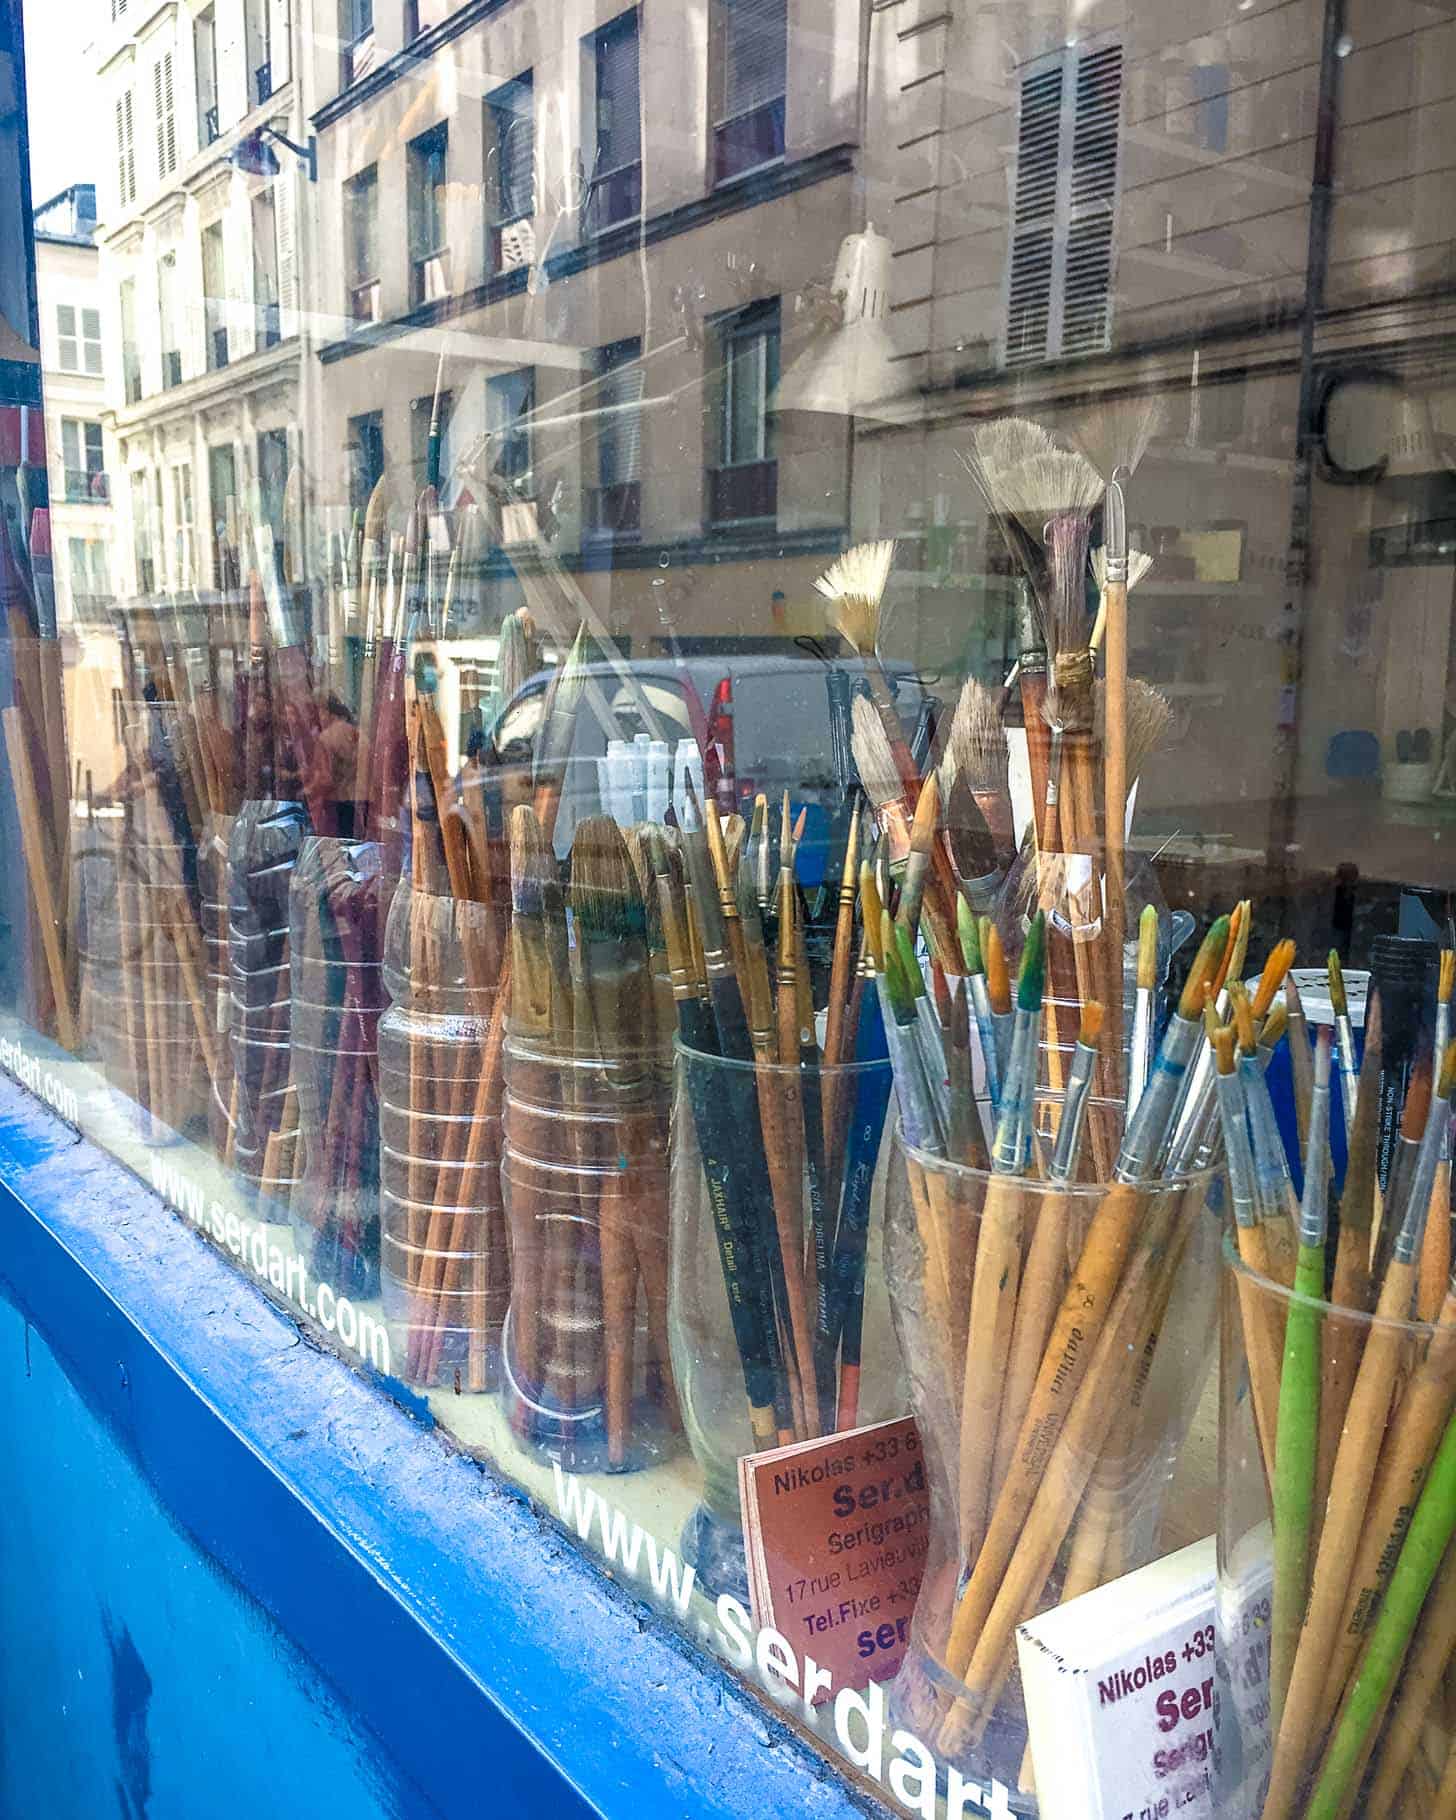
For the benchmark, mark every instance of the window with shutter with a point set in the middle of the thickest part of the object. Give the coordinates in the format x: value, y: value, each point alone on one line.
x: 614, y: 505
x: 751, y: 56
x: 91, y: 341
x: 616, y: 136
x: 125, y: 148
x: 1059, y: 281
x: 68, y: 350
x: 511, y: 149
x: 163, y: 112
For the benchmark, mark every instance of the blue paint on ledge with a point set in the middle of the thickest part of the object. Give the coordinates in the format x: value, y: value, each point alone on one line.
x: 301, y: 1584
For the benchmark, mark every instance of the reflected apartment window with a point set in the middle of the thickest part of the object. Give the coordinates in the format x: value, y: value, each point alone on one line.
x: 1059, y: 279
x: 126, y: 147
x: 273, y: 486
x: 84, y: 462
x: 141, y: 529
x: 365, y: 456
x: 614, y: 504
x: 214, y: 297
x: 614, y: 131
x: 510, y: 398
x: 743, y: 481
x: 131, y: 361
x: 222, y: 506
x: 420, y: 15
x: 361, y: 249
x: 167, y: 320
x: 267, y: 325
x: 182, y: 531
x: 356, y: 39
x: 257, y: 24
x: 78, y: 340
x: 204, y: 49
x: 89, y: 577
x: 164, y: 115
x: 429, y: 255
x: 750, y: 77
x: 510, y: 165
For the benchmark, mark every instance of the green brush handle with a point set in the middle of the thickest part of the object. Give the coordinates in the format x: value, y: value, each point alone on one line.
x: 1425, y: 1544
x: 1294, y: 1465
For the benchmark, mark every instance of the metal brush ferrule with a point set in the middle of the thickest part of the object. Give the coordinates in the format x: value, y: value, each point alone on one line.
x: 1236, y: 1149
x: 1142, y: 1143
x: 1074, y: 1114
x: 1270, y: 1168
x: 1114, y: 531
x: 1314, y: 1204
x: 1012, y: 1150
x: 986, y: 1033
x: 1142, y: 1048
x: 1422, y: 1178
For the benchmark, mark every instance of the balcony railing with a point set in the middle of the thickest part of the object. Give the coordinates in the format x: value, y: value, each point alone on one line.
x: 211, y: 130
x: 262, y: 84
x: 745, y: 494
x: 87, y: 487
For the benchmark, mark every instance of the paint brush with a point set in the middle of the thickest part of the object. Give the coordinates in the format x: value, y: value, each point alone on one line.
x: 977, y: 753
x: 980, y: 997
x: 1066, y: 1151
x: 1349, y: 1061
x: 1141, y: 1058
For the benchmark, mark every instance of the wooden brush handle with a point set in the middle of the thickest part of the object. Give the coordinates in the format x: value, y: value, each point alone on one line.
x: 1043, y: 1282
x: 988, y: 1350
x: 39, y: 874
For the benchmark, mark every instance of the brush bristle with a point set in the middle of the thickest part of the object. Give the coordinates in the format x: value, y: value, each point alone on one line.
x: 513, y: 656
x: 1138, y: 564
x: 1447, y: 1084
x: 1272, y: 978
x: 897, y: 982
x: 1275, y: 1026
x: 873, y: 758
x: 854, y: 585
x: 1115, y: 432
x: 1447, y: 975
x: 977, y: 744
x: 1222, y: 1039
x: 1149, y: 720
x: 533, y: 864
x: 1205, y: 965
x: 1032, y: 975
x: 910, y: 966
x: 1048, y: 485
x: 1147, y: 961
x: 1004, y: 443
x: 639, y: 850
x: 605, y: 900
x: 1243, y: 1011
x: 970, y: 936
x: 1089, y: 1032
x: 927, y: 816
x: 998, y: 979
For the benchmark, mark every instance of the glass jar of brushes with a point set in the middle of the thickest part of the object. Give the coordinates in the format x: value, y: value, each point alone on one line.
x: 779, y: 1316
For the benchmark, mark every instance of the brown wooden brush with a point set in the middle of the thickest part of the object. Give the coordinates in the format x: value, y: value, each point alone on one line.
x: 977, y: 751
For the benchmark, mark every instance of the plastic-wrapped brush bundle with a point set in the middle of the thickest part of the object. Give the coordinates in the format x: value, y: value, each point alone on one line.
x: 444, y: 1263
x: 266, y: 839
x: 335, y: 941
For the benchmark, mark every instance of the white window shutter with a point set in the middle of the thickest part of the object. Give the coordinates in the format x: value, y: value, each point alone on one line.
x: 279, y: 42
x: 1064, y: 199
x: 283, y: 215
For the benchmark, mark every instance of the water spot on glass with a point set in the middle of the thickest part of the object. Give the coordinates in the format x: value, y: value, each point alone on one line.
x: 664, y: 561
x: 1344, y: 44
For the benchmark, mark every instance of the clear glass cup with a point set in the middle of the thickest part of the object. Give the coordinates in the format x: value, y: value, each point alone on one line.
x: 1048, y: 1486
x: 445, y: 1272
x: 716, y: 1115
x: 1316, y: 1587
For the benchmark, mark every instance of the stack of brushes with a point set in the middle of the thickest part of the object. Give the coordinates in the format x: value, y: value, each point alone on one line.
x: 789, y: 1138
x: 1040, y: 1305
x: 1352, y: 1382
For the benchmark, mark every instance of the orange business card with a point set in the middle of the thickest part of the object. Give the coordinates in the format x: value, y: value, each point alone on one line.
x: 836, y: 1532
